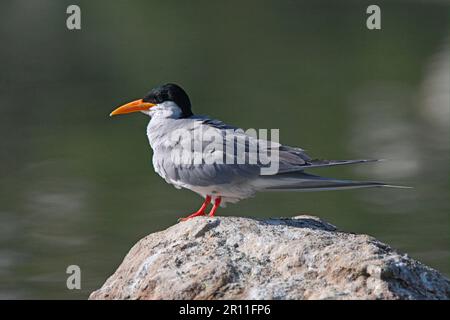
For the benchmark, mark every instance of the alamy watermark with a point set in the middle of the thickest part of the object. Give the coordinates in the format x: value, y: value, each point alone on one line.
x: 207, y: 145
x: 74, y: 279
x: 373, y: 21
x: 73, y: 21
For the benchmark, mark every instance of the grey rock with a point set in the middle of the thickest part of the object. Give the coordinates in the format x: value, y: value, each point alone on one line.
x: 242, y: 258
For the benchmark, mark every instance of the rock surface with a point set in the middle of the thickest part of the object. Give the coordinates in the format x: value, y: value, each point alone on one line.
x: 243, y: 258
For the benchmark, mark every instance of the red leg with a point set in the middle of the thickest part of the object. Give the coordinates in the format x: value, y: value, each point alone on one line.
x: 216, y: 205
x: 200, y: 212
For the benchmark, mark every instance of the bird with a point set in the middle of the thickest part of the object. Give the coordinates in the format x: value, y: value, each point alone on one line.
x: 171, y: 133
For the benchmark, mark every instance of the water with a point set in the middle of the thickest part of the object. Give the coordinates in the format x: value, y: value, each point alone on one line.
x: 77, y: 187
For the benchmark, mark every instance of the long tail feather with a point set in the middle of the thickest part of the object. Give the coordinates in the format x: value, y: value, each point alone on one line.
x: 300, y: 181
x: 330, y: 163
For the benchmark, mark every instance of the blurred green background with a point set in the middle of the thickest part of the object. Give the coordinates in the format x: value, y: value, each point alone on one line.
x: 77, y: 187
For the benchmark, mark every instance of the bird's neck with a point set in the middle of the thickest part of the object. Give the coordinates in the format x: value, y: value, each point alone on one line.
x: 165, y: 110
x: 159, y: 129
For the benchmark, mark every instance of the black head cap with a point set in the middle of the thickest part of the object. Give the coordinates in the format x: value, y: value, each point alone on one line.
x: 170, y: 92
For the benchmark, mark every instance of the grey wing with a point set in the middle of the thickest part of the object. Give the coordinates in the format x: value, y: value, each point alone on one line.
x: 226, y: 165
x: 176, y: 163
x: 290, y: 158
x: 295, y: 159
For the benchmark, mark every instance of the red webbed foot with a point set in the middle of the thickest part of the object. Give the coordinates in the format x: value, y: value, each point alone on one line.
x: 199, y: 212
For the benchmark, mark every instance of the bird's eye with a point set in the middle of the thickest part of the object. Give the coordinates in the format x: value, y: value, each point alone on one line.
x: 162, y: 97
x: 149, y: 98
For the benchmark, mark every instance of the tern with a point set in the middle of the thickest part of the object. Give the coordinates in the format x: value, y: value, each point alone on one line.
x: 169, y: 108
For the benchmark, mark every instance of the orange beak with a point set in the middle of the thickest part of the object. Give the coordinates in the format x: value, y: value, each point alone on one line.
x: 134, y: 106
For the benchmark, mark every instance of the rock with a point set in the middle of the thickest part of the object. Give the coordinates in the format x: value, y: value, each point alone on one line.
x: 243, y: 258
